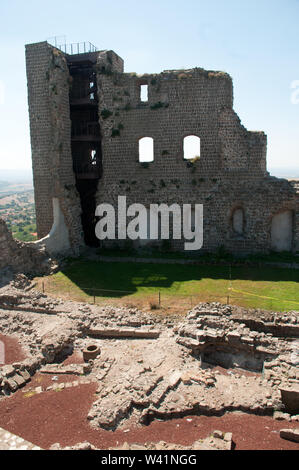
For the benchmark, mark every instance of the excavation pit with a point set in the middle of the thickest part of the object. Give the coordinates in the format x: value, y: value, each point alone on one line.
x: 198, y: 366
x: 229, y: 358
x: 63, y: 355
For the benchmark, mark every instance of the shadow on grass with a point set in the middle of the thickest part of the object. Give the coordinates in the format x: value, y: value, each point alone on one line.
x: 116, y: 279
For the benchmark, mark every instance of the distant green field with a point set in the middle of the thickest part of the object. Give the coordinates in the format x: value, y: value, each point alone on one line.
x: 25, y: 234
x: 268, y: 288
x: 19, y: 213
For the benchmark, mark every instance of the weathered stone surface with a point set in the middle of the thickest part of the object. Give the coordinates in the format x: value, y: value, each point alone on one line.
x: 231, y: 168
x: 9, y: 441
x: 217, y: 441
x: 51, y: 151
x: 279, y: 416
x: 20, y: 381
x: 189, y: 343
x: 123, y: 333
x: 80, y: 446
x: 11, y: 384
x: 290, y: 434
x: 21, y: 257
x: 76, y: 369
x: 7, y: 371
x: 294, y: 418
x: 290, y: 398
x: 25, y: 374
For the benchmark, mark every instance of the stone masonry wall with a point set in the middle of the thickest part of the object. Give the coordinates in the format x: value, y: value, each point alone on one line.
x: 231, y: 172
x: 62, y: 164
x: 18, y: 256
x: 38, y: 57
x: 50, y: 127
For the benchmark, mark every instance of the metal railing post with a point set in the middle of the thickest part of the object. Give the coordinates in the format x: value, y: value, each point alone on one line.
x: 81, y: 47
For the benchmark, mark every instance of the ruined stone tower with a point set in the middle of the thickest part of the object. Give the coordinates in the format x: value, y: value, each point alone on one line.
x: 88, y: 119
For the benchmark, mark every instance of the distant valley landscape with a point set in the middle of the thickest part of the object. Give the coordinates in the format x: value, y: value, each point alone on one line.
x: 17, y: 203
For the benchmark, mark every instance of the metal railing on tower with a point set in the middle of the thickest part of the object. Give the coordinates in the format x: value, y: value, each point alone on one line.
x: 76, y: 48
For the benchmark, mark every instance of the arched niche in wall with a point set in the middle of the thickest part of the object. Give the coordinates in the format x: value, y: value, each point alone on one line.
x: 191, y: 147
x: 146, y: 150
x: 238, y: 221
x: 282, y: 231
x: 57, y: 240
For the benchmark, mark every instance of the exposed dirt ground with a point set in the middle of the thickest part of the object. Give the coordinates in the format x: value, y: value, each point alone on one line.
x: 13, y: 349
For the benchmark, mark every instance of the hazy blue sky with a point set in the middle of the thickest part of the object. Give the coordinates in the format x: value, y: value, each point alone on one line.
x: 255, y: 41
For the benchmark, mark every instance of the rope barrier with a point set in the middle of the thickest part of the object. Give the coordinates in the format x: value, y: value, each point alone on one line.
x: 262, y: 296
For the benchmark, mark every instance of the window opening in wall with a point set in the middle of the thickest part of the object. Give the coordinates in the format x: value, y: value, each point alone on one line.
x: 143, y: 93
x: 93, y: 154
x: 146, y: 149
x: 91, y: 96
x: 191, y: 147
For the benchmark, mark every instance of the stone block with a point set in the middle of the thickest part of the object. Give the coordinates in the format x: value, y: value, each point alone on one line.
x: 11, y: 384
x: 19, y: 380
x: 7, y: 371
x: 290, y: 398
x: 290, y: 434
x: 25, y: 374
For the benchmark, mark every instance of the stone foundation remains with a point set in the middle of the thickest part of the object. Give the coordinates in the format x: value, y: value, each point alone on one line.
x: 19, y: 257
x: 222, y: 364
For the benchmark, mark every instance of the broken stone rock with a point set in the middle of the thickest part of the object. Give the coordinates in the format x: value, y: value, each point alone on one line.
x: 25, y: 374
x: 11, y: 384
x: 290, y: 434
x: 19, y: 380
x: 279, y: 416
x: 290, y: 398
x: 7, y: 371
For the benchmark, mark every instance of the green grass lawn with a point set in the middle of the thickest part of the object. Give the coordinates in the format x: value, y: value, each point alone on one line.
x: 269, y: 288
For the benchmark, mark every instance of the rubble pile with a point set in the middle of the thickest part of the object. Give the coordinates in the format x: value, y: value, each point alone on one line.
x: 218, y: 440
x: 20, y: 257
x: 11, y: 378
x: 223, y: 340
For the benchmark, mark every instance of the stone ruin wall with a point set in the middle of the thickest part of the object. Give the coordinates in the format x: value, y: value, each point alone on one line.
x: 230, y: 174
x: 50, y: 129
x: 20, y: 257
